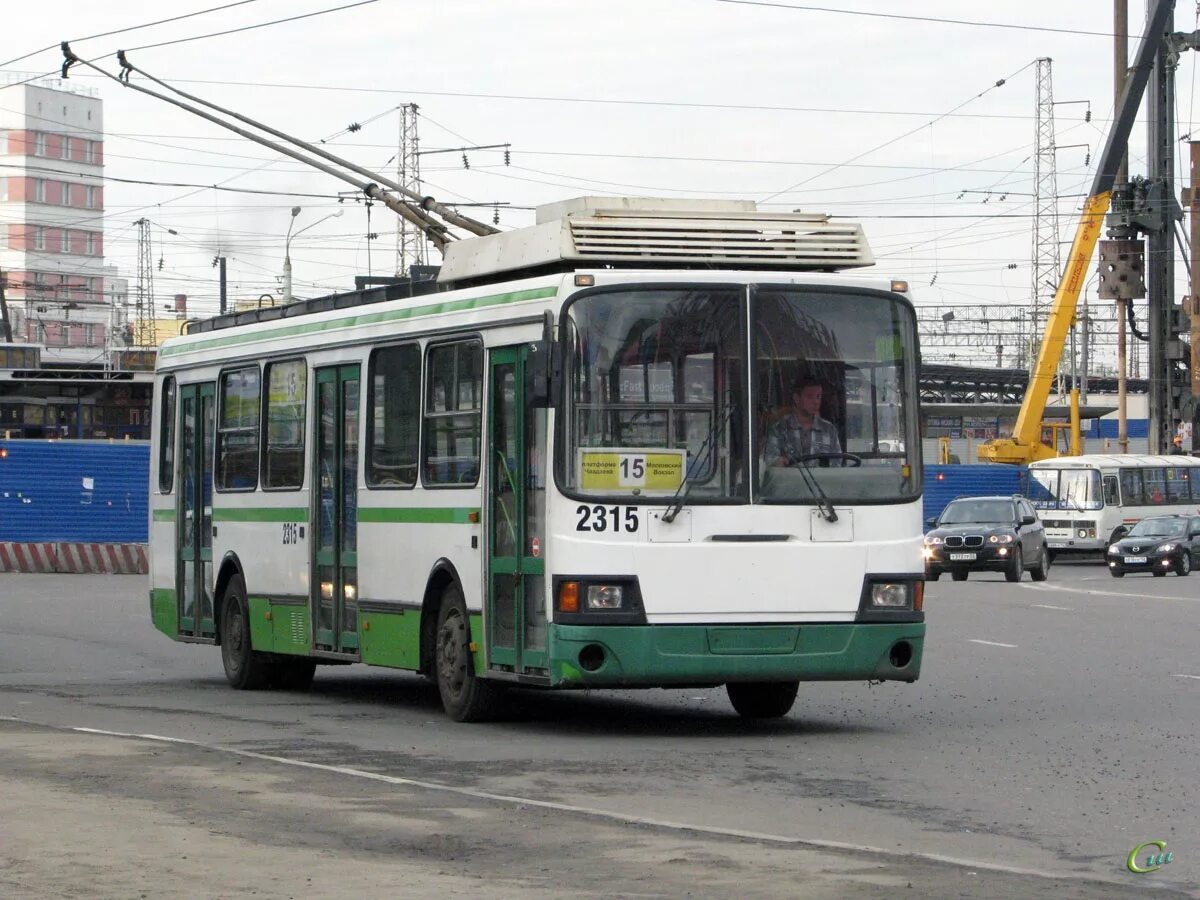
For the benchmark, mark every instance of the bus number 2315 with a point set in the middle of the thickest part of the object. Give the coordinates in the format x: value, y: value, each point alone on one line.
x: 606, y: 518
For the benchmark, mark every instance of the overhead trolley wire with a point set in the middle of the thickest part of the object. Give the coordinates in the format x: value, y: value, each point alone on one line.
x: 78, y: 40
x: 941, y: 20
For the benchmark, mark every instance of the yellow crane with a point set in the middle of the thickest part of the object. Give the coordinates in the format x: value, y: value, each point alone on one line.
x: 1026, y: 443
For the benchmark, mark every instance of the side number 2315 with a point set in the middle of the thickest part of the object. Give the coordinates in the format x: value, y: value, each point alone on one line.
x: 606, y: 518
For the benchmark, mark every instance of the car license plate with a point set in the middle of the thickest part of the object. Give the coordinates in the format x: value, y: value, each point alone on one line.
x: 1135, y: 559
x: 967, y: 557
x: 1057, y: 545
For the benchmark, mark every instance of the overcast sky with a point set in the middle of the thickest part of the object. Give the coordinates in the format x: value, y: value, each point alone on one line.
x: 649, y: 98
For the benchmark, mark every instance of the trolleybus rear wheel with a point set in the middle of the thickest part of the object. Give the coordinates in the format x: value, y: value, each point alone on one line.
x: 762, y: 699
x: 245, y: 668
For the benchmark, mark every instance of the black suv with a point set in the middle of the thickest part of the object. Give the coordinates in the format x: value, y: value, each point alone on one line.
x: 987, y: 534
x: 1159, y: 544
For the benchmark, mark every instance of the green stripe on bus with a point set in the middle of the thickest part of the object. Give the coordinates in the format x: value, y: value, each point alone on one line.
x: 372, y: 318
x: 164, y: 515
x: 261, y: 514
x: 433, y: 515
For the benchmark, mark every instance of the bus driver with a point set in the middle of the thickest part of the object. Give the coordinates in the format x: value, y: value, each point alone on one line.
x: 802, y: 432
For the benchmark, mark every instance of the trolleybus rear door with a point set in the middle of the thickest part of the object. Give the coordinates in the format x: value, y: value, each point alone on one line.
x: 516, y: 611
x: 335, y: 511
x: 193, y: 529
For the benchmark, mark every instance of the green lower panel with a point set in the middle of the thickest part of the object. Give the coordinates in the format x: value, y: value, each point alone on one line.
x: 477, y: 640
x: 290, y: 631
x: 646, y: 655
x: 163, y: 611
x: 391, y: 639
x: 261, y: 637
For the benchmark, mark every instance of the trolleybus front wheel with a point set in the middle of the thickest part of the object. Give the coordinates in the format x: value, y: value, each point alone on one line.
x: 246, y: 668
x: 762, y: 699
x: 466, y: 697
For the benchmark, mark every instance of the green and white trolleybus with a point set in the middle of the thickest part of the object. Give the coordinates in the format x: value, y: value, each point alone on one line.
x: 547, y: 469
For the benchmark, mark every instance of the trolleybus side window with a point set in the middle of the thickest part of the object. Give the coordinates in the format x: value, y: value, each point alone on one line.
x: 166, y: 438
x: 237, y: 433
x: 283, y: 455
x: 393, y: 416
x: 453, y: 393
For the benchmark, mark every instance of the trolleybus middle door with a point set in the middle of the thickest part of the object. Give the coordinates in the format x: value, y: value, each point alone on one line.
x: 335, y: 511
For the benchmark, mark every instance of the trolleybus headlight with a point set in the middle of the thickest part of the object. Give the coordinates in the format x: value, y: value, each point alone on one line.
x: 891, y: 595
x: 604, y: 596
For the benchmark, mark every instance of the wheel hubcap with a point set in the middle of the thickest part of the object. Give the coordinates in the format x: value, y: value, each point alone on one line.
x: 452, y: 655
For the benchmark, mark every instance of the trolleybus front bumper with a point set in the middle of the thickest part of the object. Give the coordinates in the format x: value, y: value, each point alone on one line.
x: 677, y: 655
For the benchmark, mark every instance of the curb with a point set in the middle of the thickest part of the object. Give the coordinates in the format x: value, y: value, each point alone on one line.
x: 74, y: 558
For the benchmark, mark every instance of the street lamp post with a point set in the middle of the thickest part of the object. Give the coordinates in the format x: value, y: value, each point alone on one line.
x: 287, y: 249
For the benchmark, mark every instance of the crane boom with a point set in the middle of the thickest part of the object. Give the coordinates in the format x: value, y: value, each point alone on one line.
x: 1026, y: 444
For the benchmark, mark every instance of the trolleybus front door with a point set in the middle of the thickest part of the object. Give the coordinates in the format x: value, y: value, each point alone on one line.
x: 335, y: 511
x: 193, y: 529
x: 516, y: 611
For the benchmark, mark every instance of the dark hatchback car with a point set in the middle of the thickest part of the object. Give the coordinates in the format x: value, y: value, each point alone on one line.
x: 987, y: 534
x: 1159, y: 544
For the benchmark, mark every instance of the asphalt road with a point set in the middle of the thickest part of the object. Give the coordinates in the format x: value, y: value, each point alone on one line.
x: 1054, y: 729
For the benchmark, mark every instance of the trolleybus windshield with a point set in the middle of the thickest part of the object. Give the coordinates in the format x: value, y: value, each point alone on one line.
x: 700, y: 382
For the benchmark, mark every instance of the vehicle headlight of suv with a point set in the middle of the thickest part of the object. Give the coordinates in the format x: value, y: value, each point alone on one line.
x: 1167, y: 548
x: 1000, y: 539
x: 934, y: 541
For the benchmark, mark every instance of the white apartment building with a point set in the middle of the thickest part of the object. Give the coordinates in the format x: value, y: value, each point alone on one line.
x: 52, y: 221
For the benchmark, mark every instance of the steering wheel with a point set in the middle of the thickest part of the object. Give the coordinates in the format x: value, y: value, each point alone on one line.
x: 849, y: 459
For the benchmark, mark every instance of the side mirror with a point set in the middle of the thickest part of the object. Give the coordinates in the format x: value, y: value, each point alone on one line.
x: 931, y: 523
x: 1028, y: 520
x: 543, y: 367
x: 1119, y: 532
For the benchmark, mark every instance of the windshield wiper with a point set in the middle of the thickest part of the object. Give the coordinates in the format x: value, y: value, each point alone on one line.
x: 685, y: 487
x: 828, y: 513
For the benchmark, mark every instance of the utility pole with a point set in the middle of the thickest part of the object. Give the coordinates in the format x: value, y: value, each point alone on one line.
x: 1162, y: 212
x: 221, y: 267
x: 1191, y: 199
x: 1120, y: 66
x: 4, y: 312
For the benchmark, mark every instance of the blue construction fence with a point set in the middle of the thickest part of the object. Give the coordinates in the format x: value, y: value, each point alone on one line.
x: 99, y: 492
x: 944, y: 483
x: 89, y: 491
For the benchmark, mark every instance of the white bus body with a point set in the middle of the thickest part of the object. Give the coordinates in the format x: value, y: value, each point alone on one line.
x: 1082, y: 500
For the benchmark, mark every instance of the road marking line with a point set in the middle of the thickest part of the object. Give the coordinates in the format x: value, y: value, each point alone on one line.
x: 992, y: 643
x: 1197, y: 677
x: 1049, y: 590
x: 594, y: 812
x: 1048, y: 606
